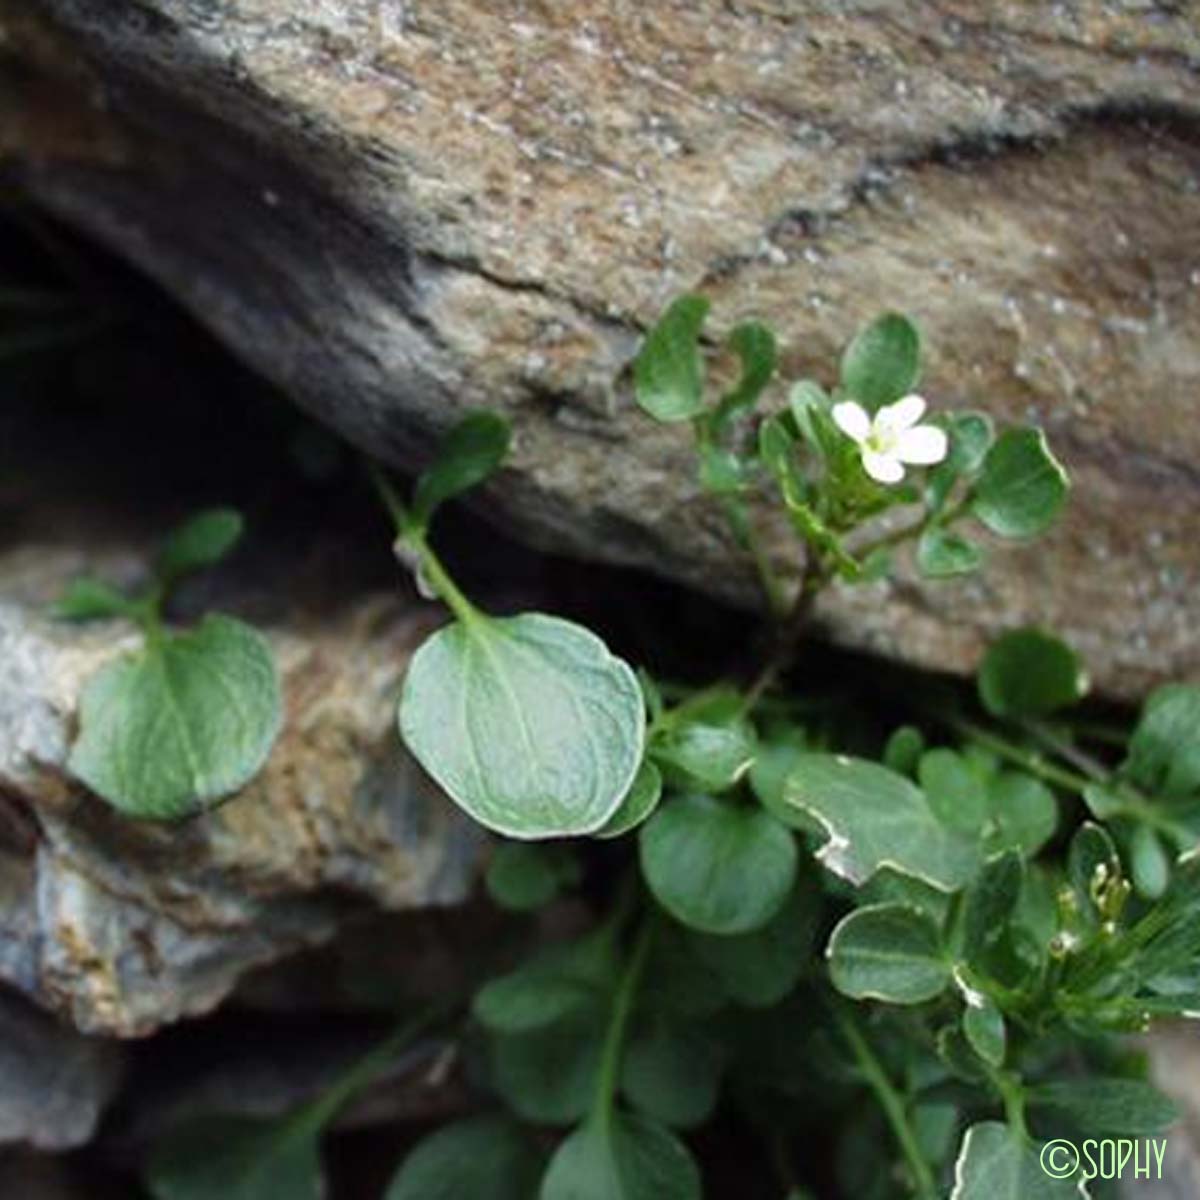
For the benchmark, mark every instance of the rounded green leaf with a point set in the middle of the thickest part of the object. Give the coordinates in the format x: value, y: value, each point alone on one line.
x: 888, y: 952
x: 170, y: 729
x: 668, y: 373
x: 883, y: 362
x: 522, y: 877
x: 89, y: 600
x: 470, y: 452
x: 1028, y: 673
x: 1164, y: 751
x: 903, y: 750
x: 548, y: 1076
x: 485, y: 1158
x: 529, y: 723
x: 970, y: 435
x: 873, y: 819
x: 1024, y: 813
x: 997, y: 1163
x: 754, y: 344
x: 640, y: 801
x: 672, y: 1073
x: 955, y: 793
x: 621, y: 1157
x: 983, y: 1027
x: 1022, y: 487
x: 1129, y: 1107
x: 705, y: 755
x: 200, y: 542
x: 717, y: 867
x: 942, y: 554
x: 1149, y: 866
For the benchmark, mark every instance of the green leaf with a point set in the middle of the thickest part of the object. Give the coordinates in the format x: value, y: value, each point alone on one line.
x: 228, y: 1158
x: 810, y: 407
x: 548, y: 1077
x: 89, y: 600
x: 1128, y: 1107
x: 1022, y: 487
x: 888, y: 952
x: 468, y: 454
x: 1164, y: 750
x: 200, y: 542
x: 942, y: 554
x: 997, y: 1164
x: 671, y: 1073
x: 668, y: 373
x: 904, y: 749
x: 721, y: 471
x: 983, y: 1027
x: 990, y: 901
x: 522, y: 877
x: 1024, y: 813
x: 716, y: 866
x: 758, y: 969
x: 1149, y: 866
x: 876, y: 818
x: 955, y: 793
x: 705, y: 755
x: 754, y: 344
x: 1092, y: 860
x: 621, y: 1157
x: 170, y: 729
x: 484, y: 1158
x: 883, y: 362
x: 970, y: 434
x: 1028, y: 673
x: 529, y: 723
x: 640, y: 801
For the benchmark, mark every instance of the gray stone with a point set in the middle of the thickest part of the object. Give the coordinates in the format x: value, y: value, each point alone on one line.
x: 400, y: 209
x: 121, y: 926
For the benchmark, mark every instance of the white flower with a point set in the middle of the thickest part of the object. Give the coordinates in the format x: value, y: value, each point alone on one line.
x: 893, y: 438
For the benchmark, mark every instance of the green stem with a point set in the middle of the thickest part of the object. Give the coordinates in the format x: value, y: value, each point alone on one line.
x: 890, y: 1101
x: 1013, y: 1096
x: 1031, y: 761
x: 768, y: 579
x: 390, y: 498
x: 614, y: 1040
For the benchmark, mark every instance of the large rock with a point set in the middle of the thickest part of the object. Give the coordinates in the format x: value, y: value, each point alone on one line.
x: 121, y: 926
x: 400, y: 209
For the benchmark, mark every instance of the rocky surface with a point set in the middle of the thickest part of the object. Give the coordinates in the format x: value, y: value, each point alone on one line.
x: 120, y: 926
x: 397, y: 209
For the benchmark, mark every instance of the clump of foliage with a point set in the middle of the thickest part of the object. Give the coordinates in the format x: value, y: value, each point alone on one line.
x: 935, y: 937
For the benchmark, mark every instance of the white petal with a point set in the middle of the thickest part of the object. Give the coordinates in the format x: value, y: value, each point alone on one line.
x: 904, y: 414
x: 922, y: 446
x: 882, y: 467
x: 852, y: 420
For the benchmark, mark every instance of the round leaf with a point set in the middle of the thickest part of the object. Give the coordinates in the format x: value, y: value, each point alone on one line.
x: 672, y: 1074
x: 996, y: 1163
x: 883, y: 362
x: 522, y: 877
x: 1022, y: 487
x: 1164, y: 751
x: 528, y: 723
x: 717, y: 867
x: 669, y: 372
x: 706, y: 755
x: 621, y: 1158
x: 487, y: 1158
x: 640, y: 801
x: 548, y: 1076
x: 184, y: 722
x: 200, y: 542
x: 1149, y: 865
x: 888, y: 952
x: 1024, y: 813
x: 471, y: 451
x: 1027, y: 673
x: 942, y: 554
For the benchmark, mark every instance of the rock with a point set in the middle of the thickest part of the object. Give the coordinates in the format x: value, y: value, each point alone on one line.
x: 54, y: 1084
x: 398, y: 209
x: 121, y: 926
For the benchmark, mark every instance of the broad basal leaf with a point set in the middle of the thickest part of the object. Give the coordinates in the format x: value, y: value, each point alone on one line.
x: 705, y: 755
x: 1028, y: 673
x: 484, y: 1158
x: 184, y: 722
x: 548, y: 1077
x: 620, y: 1157
x: 671, y: 1073
x: 888, y: 952
x: 876, y: 818
x: 528, y: 723
x: 716, y: 866
x: 995, y: 1164
x: 1024, y: 813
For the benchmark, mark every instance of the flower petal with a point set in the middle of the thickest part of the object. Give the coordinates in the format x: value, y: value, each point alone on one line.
x: 904, y: 414
x: 882, y: 467
x: 922, y: 446
x: 852, y: 420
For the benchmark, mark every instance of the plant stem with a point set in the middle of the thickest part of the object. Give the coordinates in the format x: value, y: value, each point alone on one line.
x: 1031, y: 761
x: 889, y: 1100
x: 614, y: 1040
x: 790, y: 631
x: 1013, y: 1095
x: 767, y: 578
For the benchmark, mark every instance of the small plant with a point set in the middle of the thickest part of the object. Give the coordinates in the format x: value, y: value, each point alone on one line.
x: 178, y: 725
x: 904, y: 944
